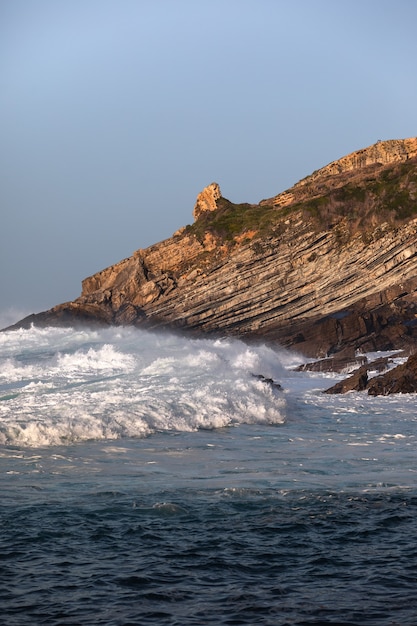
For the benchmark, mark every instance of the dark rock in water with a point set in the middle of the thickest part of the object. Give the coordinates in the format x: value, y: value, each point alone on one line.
x: 356, y: 382
x: 401, y: 379
x: 333, y: 364
x: 268, y: 381
x: 381, y: 364
x: 359, y: 379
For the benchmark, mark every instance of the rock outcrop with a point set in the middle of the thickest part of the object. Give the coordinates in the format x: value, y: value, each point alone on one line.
x: 348, y: 169
x: 328, y: 267
x: 380, y: 153
x: 400, y: 379
x: 356, y: 382
x: 207, y: 200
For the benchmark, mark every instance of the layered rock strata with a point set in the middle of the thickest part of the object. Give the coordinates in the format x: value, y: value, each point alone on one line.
x: 306, y: 269
x: 349, y: 168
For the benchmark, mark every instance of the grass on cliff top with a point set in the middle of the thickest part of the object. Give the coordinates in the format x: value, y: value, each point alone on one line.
x: 390, y: 196
x: 231, y: 220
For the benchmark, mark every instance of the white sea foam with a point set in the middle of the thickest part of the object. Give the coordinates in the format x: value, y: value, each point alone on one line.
x: 63, y: 385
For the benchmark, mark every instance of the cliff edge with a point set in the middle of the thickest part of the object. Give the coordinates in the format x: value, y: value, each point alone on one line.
x: 328, y: 266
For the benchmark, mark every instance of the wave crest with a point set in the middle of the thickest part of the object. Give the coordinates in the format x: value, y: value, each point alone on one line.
x: 59, y: 386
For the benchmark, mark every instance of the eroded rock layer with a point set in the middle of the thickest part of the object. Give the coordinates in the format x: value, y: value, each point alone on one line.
x: 328, y: 266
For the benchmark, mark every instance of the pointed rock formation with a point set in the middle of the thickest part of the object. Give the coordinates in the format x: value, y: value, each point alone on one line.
x: 207, y: 200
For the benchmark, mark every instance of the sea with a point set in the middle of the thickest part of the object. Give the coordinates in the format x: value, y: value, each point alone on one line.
x: 150, y: 478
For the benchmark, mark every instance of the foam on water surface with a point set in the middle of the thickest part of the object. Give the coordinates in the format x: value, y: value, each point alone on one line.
x: 302, y: 510
x: 64, y: 385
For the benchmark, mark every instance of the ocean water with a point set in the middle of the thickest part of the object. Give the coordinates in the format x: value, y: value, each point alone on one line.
x: 156, y: 479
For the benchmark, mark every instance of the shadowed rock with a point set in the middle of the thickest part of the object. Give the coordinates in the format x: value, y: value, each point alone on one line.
x: 268, y: 381
x: 336, y: 364
x: 401, y: 379
x: 357, y: 382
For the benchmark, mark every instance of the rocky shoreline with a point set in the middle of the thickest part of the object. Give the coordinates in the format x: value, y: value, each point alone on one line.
x: 328, y: 268
x: 400, y: 379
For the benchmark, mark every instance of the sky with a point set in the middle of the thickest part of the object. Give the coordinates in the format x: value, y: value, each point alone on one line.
x: 115, y: 114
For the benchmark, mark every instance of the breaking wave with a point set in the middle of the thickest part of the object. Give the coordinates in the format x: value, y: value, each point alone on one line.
x: 59, y: 386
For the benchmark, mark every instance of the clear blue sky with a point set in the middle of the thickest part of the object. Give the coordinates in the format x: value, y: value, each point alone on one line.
x: 116, y: 113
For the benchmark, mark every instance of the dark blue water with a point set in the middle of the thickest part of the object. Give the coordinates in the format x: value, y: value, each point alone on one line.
x: 117, y: 536
x: 150, y: 479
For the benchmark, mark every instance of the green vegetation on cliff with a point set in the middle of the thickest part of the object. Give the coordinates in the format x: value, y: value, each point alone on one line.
x: 388, y: 196
x: 231, y: 220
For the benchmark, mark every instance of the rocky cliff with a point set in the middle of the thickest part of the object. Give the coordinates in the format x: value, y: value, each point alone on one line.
x: 328, y: 266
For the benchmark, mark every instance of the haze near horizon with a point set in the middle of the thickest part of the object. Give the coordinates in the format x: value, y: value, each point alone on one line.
x: 116, y: 114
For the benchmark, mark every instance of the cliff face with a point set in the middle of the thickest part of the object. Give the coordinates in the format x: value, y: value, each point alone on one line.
x: 380, y: 153
x: 349, y: 168
x: 328, y: 266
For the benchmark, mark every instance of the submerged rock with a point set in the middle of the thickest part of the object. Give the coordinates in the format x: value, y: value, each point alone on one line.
x: 268, y: 381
